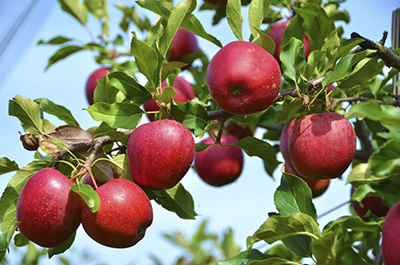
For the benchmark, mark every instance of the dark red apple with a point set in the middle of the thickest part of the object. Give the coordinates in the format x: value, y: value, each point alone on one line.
x: 371, y: 203
x: 219, y: 165
x: 322, y: 145
x: 243, y: 78
x: 160, y: 153
x: 330, y: 88
x: 88, y: 180
x: 91, y: 83
x: 124, y: 215
x: 48, y: 211
x: 237, y: 130
x: 284, y: 146
x: 183, y: 43
x: 391, y: 236
x: 317, y: 186
x: 184, y: 92
x: 276, y: 33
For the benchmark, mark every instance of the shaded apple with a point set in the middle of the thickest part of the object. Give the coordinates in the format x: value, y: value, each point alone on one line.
x: 88, y: 180
x: 160, y: 153
x: 219, y: 165
x: 284, y: 146
x: 371, y: 203
x: 391, y: 236
x: 124, y: 214
x: 243, y: 78
x: 184, y: 92
x: 237, y: 130
x: 317, y: 186
x: 183, y: 44
x: 48, y: 211
x: 276, y: 33
x: 91, y: 83
x: 322, y: 145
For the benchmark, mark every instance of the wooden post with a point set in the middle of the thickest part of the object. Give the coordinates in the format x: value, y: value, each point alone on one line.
x: 396, y: 44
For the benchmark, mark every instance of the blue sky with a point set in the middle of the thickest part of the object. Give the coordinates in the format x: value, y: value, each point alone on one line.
x: 242, y: 205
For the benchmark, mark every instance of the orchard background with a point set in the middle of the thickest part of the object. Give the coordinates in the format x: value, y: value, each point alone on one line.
x: 242, y: 206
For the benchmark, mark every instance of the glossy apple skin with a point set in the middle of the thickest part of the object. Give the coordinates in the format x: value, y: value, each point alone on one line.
x: 239, y: 131
x: 317, y: 186
x: 184, y: 92
x: 91, y: 83
x: 160, y: 153
x: 243, y: 78
x: 219, y: 165
x: 124, y: 215
x: 183, y: 43
x: 391, y: 236
x: 371, y: 203
x: 284, y: 146
x: 276, y: 33
x: 322, y: 145
x: 48, y: 211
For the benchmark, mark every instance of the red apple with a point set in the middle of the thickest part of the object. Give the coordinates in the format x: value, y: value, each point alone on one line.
x: 88, y: 180
x: 160, y: 153
x: 317, y: 186
x: 243, y: 78
x: 276, y: 33
x: 391, y: 236
x: 237, y: 130
x: 183, y: 43
x: 124, y: 215
x: 322, y: 145
x: 219, y: 165
x: 284, y: 146
x: 91, y: 83
x: 48, y: 211
x: 371, y: 203
x: 184, y: 92
x: 330, y: 88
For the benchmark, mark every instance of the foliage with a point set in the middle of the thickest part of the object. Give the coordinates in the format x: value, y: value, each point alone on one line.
x: 362, y: 94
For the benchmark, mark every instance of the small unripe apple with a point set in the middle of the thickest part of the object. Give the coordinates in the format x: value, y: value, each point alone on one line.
x: 219, y: 165
x: 124, y: 214
x: 243, y: 78
x: 276, y: 33
x: 184, y: 92
x: 371, y: 203
x: 160, y: 153
x: 183, y: 43
x: 391, y: 236
x: 317, y: 186
x: 48, y: 211
x: 322, y: 145
x: 91, y: 83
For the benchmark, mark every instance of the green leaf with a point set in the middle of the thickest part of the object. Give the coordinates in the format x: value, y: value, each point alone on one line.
x: 294, y: 29
x: 148, y: 60
x: 289, y: 109
x: 129, y: 87
x: 346, y: 48
x: 89, y: 195
x: 192, y: 114
x: 59, y: 111
x: 387, y: 114
x: 6, y: 165
x: 235, y: 19
x: 324, y: 249
x: 28, y: 112
x: 257, y: 10
x: 229, y: 246
x: 76, y: 9
x: 62, y: 53
x: 294, y: 195
x: 176, y: 199
x: 178, y: 14
x: 20, y: 240
x: 299, y: 245
x: 279, y: 227
x: 167, y: 94
x: 385, y: 163
x: 246, y: 258
x: 317, y: 65
x: 354, y: 223
x: 117, y: 115
x: 9, y: 198
x: 58, y: 40
x: 104, y: 91
x: 341, y: 71
x: 292, y: 59
x: 191, y: 23
x: 62, y: 247
x: 256, y: 147
x: 267, y: 43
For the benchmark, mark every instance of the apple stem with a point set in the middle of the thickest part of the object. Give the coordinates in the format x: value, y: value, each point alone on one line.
x: 334, y: 209
x: 89, y: 170
x: 220, y: 130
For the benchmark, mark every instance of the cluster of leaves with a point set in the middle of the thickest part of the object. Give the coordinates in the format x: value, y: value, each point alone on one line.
x: 359, y: 78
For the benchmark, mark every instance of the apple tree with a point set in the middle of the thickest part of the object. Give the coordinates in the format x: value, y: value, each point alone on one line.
x: 324, y: 100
